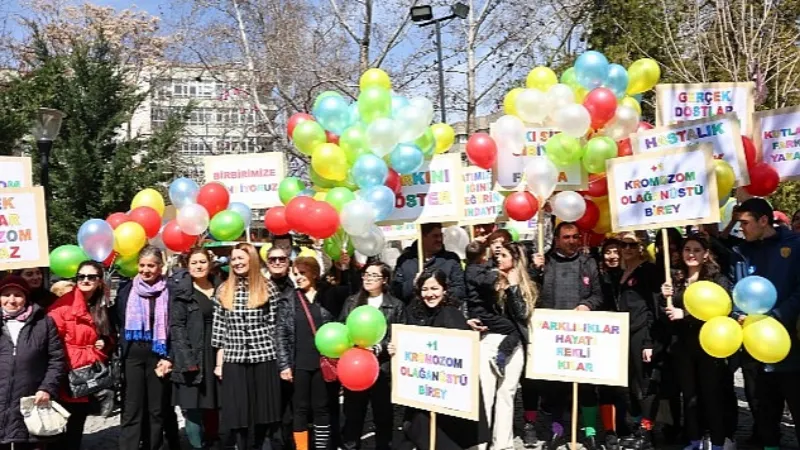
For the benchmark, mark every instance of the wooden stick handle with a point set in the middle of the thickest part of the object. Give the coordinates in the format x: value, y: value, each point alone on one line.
x: 540, y: 229
x: 667, y: 268
x: 574, y: 416
x: 433, y: 431
x: 420, y: 249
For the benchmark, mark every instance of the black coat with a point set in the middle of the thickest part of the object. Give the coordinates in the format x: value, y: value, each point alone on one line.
x: 405, y: 272
x: 39, y: 365
x: 638, y: 296
x: 285, y: 328
x: 393, y: 310
x: 187, y: 332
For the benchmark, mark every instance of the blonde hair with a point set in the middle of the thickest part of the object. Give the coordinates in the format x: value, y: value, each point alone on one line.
x: 62, y: 287
x: 258, y: 290
x: 638, y: 237
x: 527, y: 287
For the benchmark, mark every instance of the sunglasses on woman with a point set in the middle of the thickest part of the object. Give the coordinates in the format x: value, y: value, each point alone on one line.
x: 629, y: 245
x: 88, y: 277
x: 277, y: 259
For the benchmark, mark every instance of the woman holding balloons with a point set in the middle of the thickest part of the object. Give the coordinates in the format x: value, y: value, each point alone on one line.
x: 374, y: 292
x: 702, y: 377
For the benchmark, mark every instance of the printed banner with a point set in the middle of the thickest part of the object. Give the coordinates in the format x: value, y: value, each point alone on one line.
x: 681, y: 102
x: 251, y: 179
x: 579, y: 346
x: 432, y: 194
x: 399, y: 232
x: 482, y: 204
x: 509, y: 170
x: 722, y: 132
x: 23, y: 229
x: 436, y: 369
x: 15, y: 172
x: 777, y: 138
x: 670, y: 188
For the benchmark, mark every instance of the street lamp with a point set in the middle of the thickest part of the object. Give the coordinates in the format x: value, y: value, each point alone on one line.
x: 45, y: 130
x: 423, y: 16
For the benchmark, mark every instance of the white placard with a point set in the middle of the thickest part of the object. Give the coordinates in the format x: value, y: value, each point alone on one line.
x: 15, y: 172
x: 777, y: 137
x: 482, y: 204
x: 399, y: 232
x: 251, y: 179
x: 681, y: 102
x: 23, y: 229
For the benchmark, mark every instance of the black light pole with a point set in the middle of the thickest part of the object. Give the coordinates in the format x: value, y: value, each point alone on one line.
x: 423, y: 16
x: 45, y: 130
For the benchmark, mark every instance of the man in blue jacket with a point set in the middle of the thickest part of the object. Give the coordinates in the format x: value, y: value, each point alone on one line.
x: 774, y: 253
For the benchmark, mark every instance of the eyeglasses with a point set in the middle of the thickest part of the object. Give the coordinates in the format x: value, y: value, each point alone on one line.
x: 277, y: 259
x: 629, y: 245
x: 372, y: 276
x: 88, y: 277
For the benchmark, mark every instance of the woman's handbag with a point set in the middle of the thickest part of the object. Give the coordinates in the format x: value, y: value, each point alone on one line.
x: 326, y: 365
x: 88, y: 380
x: 49, y: 420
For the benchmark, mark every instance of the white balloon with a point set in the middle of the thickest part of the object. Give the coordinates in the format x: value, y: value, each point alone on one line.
x: 573, y: 120
x: 426, y: 108
x: 456, y: 240
x: 560, y: 95
x: 625, y: 122
x: 357, y: 217
x: 382, y: 135
x: 533, y: 105
x: 370, y: 244
x: 410, y: 122
x: 568, y: 206
x: 542, y: 176
x: 192, y: 219
x: 509, y: 135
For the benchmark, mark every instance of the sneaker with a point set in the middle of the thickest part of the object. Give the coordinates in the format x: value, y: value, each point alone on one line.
x: 529, y: 437
x: 730, y: 444
x: 640, y: 440
x: 554, y: 443
x: 589, y: 443
x: 498, y: 364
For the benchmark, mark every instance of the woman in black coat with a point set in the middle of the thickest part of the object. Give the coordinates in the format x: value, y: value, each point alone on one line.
x: 374, y: 292
x: 191, y: 319
x: 32, y: 361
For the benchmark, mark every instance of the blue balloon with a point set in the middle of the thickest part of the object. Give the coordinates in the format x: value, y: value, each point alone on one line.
x: 617, y: 80
x: 639, y: 97
x: 243, y: 210
x: 353, y: 115
x: 96, y: 238
x: 382, y: 200
x: 332, y: 113
x: 755, y: 295
x: 308, y: 192
x: 369, y: 171
x: 406, y: 158
x: 591, y: 69
x: 183, y: 192
x: 398, y: 102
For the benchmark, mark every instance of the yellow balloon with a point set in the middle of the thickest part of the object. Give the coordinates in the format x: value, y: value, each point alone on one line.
x: 149, y: 197
x: 580, y: 94
x: 541, y: 78
x: 305, y: 251
x: 721, y: 337
x: 264, y: 250
x: 643, y: 75
x: 320, y: 196
x: 651, y: 251
x: 330, y: 162
x: 766, y: 339
x: 632, y: 103
x: 129, y: 238
x: 444, y: 136
x: 510, y: 101
x: 725, y: 178
x: 375, y: 78
x: 706, y: 300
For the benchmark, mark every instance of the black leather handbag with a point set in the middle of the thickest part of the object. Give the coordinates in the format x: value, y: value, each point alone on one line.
x: 88, y: 380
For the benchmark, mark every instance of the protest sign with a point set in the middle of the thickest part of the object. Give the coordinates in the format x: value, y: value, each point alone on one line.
x: 436, y: 369
x: 251, y: 179
x: 681, y: 102
x: 670, y: 188
x: 15, y: 172
x: 579, y: 346
x: 434, y: 193
x: 23, y: 228
x: 720, y: 131
x: 482, y: 204
x: 509, y: 170
x: 777, y: 138
x: 399, y: 232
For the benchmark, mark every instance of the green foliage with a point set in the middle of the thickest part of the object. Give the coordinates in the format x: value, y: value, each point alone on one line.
x: 787, y: 197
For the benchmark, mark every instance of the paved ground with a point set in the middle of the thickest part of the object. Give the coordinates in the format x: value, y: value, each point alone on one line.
x: 102, y: 433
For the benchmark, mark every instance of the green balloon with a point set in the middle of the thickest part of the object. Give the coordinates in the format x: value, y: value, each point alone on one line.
x: 514, y: 233
x: 289, y: 188
x: 332, y: 340
x: 332, y: 248
x: 598, y: 151
x: 338, y: 197
x: 374, y: 103
x: 128, y: 266
x: 323, y: 96
x: 226, y: 225
x: 426, y: 142
x: 569, y: 78
x: 563, y: 150
x: 354, y: 142
x: 366, y: 325
x: 308, y: 135
x: 64, y: 260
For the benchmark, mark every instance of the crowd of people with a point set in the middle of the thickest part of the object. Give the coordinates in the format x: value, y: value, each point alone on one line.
x: 234, y: 350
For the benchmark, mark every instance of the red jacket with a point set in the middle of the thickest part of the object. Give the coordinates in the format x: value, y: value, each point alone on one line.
x: 79, y: 334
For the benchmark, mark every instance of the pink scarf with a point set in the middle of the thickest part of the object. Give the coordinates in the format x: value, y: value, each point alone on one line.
x: 21, y: 315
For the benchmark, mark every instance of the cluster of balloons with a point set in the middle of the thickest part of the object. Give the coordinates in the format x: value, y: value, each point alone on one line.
x: 357, y: 367
x: 203, y: 208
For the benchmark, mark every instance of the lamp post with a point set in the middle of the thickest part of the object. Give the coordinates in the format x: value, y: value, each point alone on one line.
x: 45, y: 130
x: 423, y: 16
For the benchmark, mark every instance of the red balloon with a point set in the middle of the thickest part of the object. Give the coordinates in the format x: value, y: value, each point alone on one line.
x: 602, y: 105
x: 521, y: 205
x: 332, y: 138
x: 110, y: 260
x: 275, y: 221
x: 764, y: 180
x: 322, y: 221
x: 589, y: 219
x: 644, y: 126
x: 358, y: 369
x: 214, y: 197
x: 481, y: 150
x: 393, y: 181
x: 294, y: 120
x: 175, y: 239
x: 595, y: 239
x: 624, y: 147
x: 148, y: 218
x: 297, y: 212
x: 749, y: 151
x: 117, y: 219
x: 598, y: 185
